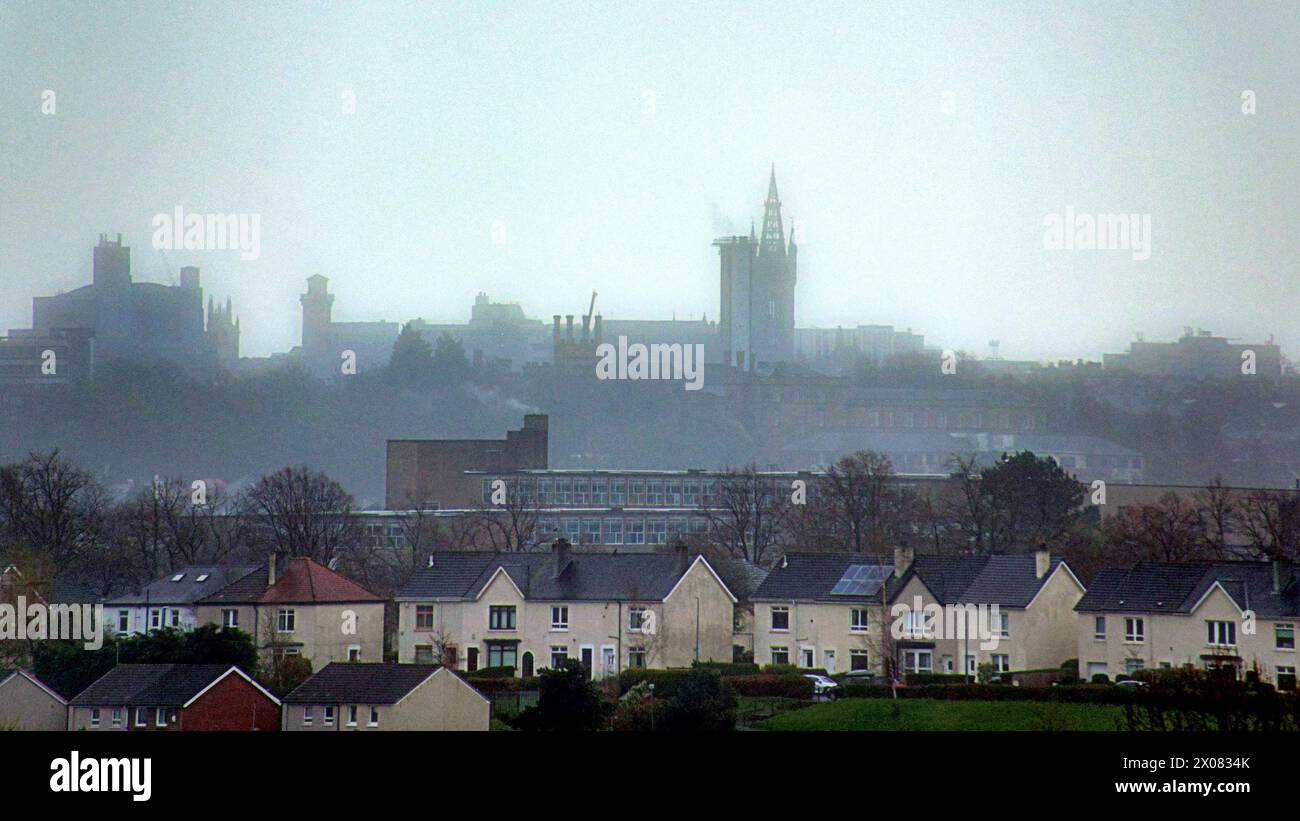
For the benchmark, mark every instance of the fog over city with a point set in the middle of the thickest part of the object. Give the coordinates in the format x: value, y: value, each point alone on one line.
x: 419, y: 154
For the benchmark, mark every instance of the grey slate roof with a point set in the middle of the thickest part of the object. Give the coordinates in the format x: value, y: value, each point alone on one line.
x: 354, y: 683
x: 189, y: 589
x: 586, y: 577
x: 1176, y: 587
x: 811, y: 577
x: 149, y: 685
x: 1007, y: 581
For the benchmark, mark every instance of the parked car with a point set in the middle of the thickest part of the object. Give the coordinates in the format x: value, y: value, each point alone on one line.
x: 823, y: 686
x: 1131, y: 684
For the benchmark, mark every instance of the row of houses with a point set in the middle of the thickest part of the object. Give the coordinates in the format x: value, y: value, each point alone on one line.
x: 198, y: 697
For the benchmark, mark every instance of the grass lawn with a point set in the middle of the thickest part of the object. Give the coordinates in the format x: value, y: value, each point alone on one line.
x: 934, y: 714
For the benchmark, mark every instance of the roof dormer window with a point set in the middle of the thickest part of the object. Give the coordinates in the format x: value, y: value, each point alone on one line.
x: 203, y: 577
x: 178, y: 577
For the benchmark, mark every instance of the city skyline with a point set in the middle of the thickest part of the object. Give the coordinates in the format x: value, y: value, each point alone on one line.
x: 916, y: 207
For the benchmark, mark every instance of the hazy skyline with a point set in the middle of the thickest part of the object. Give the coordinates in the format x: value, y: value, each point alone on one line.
x: 918, y: 148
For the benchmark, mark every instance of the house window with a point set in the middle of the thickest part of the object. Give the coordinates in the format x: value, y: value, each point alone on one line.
x: 230, y: 618
x: 94, y: 716
x: 354, y: 653
x: 1135, y: 630
x: 947, y: 664
x: 286, y: 620
x: 858, y: 619
x: 918, y: 661
x: 559, y: 653
x: 1133, y: 665
x: 1221, y: 633
x: 374, y: 717
x: 1286, y: 677
x: 1284, y: 636
x: 160, y: 718
x: 424, y: 654
x: 117, y: 716
x: 560, y: 617
x: 306, y: 716
x: 352, y: 715
x: 916, y: 623
x: 141, y: 717
x: 780, y: 655
x: 614, y: 531
x: 123, y: 621
x: 501, y: 617
x: 635, y: 531
x: 807, y: 657
x: 971, y: 666
x: 635, y: 619
x: 176, y: 617
x: 858, y: 660
x: 1002, y: 625
x: 155, y: 619
x: 780, y: 618
x: 503, y: 654
x: 1099, y: 628
x: 1001, y: 662
x: 636, y: 657
x: 424, y: 617
x: 329, y: 716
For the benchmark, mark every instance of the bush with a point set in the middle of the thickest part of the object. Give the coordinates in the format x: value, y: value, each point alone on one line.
x: 492, y: 672
x: 497, y: 686
x: 1100, y: 678
x: 725, y: 669
x: 1079, y: 694
x: 770, y: 685
x: 915, y: 679
x: 791, y: 669
x: 702, y: 702
x: 567, y: 701
x: 665, y: 681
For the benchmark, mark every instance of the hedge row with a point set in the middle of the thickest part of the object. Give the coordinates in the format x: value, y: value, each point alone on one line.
x: 772, y: 685
x: 1079, y: 694
x: 492, y: 686
x: 730, y: 668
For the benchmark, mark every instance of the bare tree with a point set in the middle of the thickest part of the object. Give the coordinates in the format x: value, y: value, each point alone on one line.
x: 51, y: 505
x: 1168, y: 531
x: 1271, y: 520
x: 747, y: 515
x: 303, y: 513
x: 513, y: 525
x: 1216, y: 507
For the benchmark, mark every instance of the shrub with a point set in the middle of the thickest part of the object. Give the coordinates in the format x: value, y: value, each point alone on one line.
x: 915, y: 679
x: 770, y: 685
x: 702, y: 702
x: 1080, y: 694
x: 567, y: 701
x: 735, y: 668
x: 492, y: 672
x: 1100, y: 678
x: 665, y: 681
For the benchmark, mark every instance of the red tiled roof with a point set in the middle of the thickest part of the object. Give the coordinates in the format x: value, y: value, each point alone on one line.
x: 307, y: 581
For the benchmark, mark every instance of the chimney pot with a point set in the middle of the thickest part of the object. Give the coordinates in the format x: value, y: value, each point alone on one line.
x: 903, y: 557
x: 270, y: 569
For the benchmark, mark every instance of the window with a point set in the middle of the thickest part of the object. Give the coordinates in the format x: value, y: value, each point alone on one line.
x: 635, y: 619
x: 329, y: 716
x: 916, y: 623
x: 501, y: 617
x: 1286, y: 677
x: 160, y: 717
x: 591, y: 531
x: 155, y: 619
x: 617, y: 492
x: 636, y: 657
x: 1099, y: 628
x: 947, y: 663
x: 858, y: 660
x: 178, y: 577
x: 176, y: 617
x: 203, y: 577
x: 1135, y: 630
x: 559, y: 654
x: 559, y: 617
x: 918, y: 661
x: 780, y: 655
x: 374, y: 717
x: 1002, y: 625
x: 354, y: 653
x: 807, y: 657
x: 117, y: 716
x: 1284, y: 636
x: 1221, y: 633
x: 424, y: 654
x: 424, y: 617
x: 141, y: 717
x: 614, y: 531
x: 94, y: 716
x: 1133, y: 665
x: 124, y: 621
x: 657, y: 532
x: 307, y: 715
x: 1001, y: 662
x: 502, y: 654
x: 780, y: 618
x: 230, y: 618
x: 286, y: 620
x: 972, y: 666
x: 352, y: 715
x: 634, y: 531
x: 858, y: 619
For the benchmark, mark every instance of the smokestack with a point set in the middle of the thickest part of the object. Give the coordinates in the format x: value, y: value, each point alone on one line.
x: 568, y: 321
x: 559, y: 556
x: 903, y: 557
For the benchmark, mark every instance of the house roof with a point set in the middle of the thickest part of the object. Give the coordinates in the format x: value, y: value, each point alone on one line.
x: 1178, y: 587
x: 153, y: 685
x: 187, y: 589
x: 812, y: 577
x: 301, y: 581
x: 356, y: 683
x: 586, y: 576
x: 1007, y: 581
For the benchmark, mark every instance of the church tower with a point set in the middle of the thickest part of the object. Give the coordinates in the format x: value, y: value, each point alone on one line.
x: 317, y: 305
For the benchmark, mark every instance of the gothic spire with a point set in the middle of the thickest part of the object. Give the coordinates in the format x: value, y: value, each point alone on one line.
x: 773, y: 232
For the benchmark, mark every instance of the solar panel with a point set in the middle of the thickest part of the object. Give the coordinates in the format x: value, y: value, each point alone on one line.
x: 860, y: 580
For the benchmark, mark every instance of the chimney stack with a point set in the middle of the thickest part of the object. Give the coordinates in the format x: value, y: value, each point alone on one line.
x: 683, y: 556
x: 568, y: 325
x: 1282, y: 572
x: 903, y: 556
x: 270, y: 570
x: 1042, y: 561
x: 560, y: 556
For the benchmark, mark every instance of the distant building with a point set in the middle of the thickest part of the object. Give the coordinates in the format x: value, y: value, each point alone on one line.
x: 1198, y: 354
x: 385, y: 697
x: 325, y: 342
x: 174, y: 697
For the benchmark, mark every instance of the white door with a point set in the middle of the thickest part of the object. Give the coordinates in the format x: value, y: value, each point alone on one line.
x: 829, y: 659
x: 608, y: 661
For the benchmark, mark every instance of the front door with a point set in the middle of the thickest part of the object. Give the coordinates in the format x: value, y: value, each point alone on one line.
x: 528, y: 665
x: 829, y: 656
x: 608, y: 662
x: 587, y: 654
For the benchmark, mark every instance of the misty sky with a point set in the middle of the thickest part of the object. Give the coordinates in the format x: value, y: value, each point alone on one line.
x: 614, y: 142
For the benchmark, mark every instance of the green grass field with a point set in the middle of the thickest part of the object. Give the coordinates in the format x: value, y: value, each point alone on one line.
x: 933, y: 714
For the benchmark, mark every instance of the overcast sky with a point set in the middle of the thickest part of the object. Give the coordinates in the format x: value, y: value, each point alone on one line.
x: 919, y: 147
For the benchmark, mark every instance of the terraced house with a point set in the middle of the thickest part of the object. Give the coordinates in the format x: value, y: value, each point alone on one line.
x: 533, y: 610
x: 1240, y: 614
